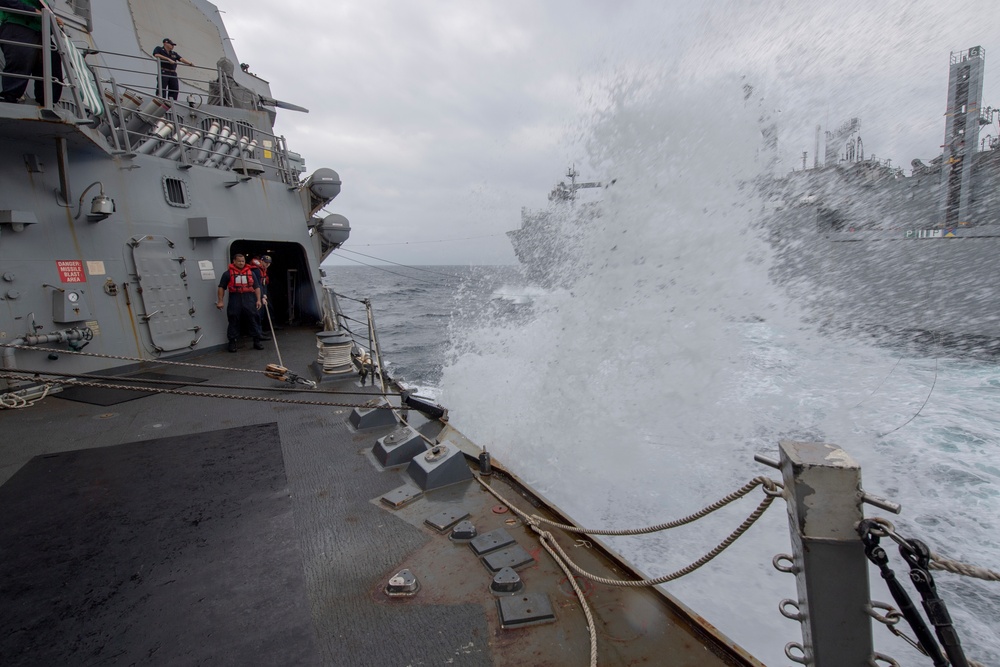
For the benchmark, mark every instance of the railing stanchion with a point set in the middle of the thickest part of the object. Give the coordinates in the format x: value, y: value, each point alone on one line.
x: 823, y: 493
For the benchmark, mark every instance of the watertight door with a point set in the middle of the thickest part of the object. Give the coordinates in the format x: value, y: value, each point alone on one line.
x: 167, y: 311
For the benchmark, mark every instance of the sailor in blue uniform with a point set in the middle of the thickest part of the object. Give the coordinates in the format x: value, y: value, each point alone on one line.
x: 167, y: 84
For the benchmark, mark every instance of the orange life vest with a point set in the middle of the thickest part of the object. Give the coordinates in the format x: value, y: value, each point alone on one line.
x: 241, y: 281
x: 259, y: 265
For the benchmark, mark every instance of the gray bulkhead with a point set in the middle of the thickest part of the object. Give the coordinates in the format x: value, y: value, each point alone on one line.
x: 143, y: 279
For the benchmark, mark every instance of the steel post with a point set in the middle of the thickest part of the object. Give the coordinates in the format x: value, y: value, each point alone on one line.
x: 823, y: 490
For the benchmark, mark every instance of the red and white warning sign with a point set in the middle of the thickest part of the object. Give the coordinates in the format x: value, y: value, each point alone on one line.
x: 70, y: 271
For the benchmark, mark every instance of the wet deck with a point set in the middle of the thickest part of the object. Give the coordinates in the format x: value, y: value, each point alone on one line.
x: 178, y: 529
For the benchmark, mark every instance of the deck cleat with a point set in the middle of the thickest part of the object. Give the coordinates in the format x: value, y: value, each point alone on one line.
x: 372, y: 414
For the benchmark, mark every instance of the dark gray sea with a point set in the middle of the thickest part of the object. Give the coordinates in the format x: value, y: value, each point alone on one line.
x: 417, y: 308
x: 634, y: 397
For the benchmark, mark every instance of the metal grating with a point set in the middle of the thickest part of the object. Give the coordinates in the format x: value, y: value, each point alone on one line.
x: 175, y: 192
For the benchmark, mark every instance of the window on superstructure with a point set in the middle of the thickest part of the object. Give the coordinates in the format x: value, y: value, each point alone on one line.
x: 175, y: 191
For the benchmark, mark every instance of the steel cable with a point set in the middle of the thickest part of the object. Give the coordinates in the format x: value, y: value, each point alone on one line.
x: 200, y: 394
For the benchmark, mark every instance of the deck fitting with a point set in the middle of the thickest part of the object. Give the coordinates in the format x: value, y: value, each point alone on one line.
x: 517, y: 611
x: 445, y: 519
x: 402, y: 584
x: 401, y: 496
x: 463, y: 532
x: 441, y: 465
x: 491, y: 541
x: 370, y: 415
x: 514, y: 557
x: 398, y: 447
x: 506, y: 582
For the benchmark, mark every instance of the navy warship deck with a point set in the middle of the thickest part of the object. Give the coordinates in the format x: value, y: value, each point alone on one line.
x: 173, y: 529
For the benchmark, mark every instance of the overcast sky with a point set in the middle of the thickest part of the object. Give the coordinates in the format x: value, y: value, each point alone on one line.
x: 445, y: 117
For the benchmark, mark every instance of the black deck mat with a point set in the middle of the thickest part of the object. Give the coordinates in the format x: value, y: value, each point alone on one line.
x: 173, y: 551
x: 110, y: 396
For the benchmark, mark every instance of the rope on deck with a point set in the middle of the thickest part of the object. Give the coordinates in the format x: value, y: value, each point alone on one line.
x: 771, y: 488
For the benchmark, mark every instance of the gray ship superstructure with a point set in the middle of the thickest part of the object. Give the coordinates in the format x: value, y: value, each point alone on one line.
x: 120, y: 210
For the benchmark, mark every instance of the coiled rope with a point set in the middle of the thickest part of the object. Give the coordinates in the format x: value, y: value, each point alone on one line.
x: 12, y: 400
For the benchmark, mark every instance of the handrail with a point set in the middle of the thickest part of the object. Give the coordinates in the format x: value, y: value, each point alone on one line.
x: 117, y: 114
x: 51, y: 40
x: 44, y: 16
x: 133, y: 138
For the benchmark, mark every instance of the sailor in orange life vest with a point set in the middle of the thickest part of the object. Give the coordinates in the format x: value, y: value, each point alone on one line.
x: 244, y: 301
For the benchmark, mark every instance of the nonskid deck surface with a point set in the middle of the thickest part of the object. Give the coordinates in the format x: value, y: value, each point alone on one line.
x: 175, y: 529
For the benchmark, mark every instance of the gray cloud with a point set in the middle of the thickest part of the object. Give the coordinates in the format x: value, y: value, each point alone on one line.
x: 445, y: 118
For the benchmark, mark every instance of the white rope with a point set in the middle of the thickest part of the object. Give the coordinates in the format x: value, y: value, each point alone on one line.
x: 565, y: 562
x: 546, y: 538
x: 14, y: 401
x: 939, y: 562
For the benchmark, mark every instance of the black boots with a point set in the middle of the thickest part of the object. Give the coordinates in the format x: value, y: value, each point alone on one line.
x: 232, y: 345
x: 257, y: 345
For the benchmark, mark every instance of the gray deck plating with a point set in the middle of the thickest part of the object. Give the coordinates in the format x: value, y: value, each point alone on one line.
x: 112, y: 554
x: 346, y: 543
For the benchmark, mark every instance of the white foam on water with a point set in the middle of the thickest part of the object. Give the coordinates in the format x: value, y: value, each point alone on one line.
x: 640, y: 391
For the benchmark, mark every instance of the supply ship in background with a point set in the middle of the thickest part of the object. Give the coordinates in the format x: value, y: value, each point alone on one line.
x: 867, y: 248
x: 165, y: 501
x: 861, y: 245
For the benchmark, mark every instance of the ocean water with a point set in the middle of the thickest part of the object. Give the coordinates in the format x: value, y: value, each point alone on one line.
x: 628, y: 402
x: 637, y: 385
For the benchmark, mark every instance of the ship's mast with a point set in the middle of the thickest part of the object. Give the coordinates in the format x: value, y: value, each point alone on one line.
x: 961, y: 135
x: 563, y: 192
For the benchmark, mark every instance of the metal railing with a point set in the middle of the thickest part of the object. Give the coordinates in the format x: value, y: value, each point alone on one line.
x: 134, y: 119
x: 51, y: 40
